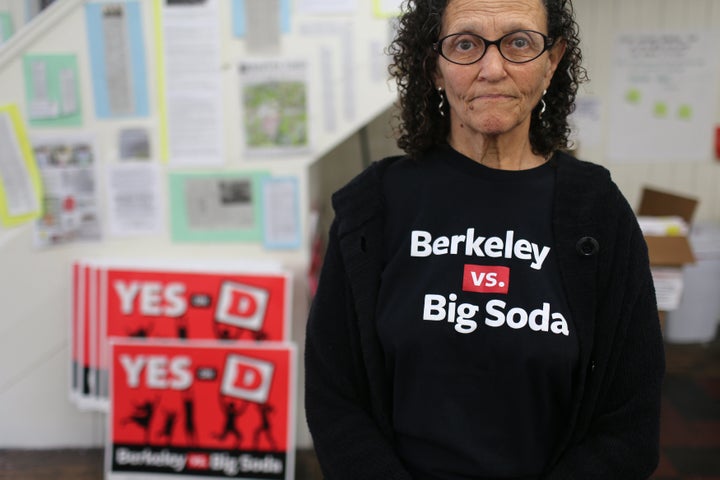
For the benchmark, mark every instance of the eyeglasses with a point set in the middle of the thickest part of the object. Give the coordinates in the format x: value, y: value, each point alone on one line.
x: 517, y: 47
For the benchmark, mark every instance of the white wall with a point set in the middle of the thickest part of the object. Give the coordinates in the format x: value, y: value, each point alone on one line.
x: 34, y: 284
x: 599, y: 22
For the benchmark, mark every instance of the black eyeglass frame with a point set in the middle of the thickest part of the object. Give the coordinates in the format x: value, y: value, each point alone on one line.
x: 548, y: 42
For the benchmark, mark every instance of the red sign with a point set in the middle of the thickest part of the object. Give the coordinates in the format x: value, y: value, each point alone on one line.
x: 172, y: 303
x: 215, y: 409
x: 76, y: 352
x: 193, y: 305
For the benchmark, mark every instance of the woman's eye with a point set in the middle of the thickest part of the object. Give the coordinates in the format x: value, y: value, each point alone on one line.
x: 465, y: 45
x: 519, y: 43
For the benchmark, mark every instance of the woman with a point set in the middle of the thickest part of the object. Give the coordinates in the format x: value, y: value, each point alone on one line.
x: 486, y: 308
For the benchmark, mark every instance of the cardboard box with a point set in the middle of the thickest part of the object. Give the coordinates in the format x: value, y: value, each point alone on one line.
x: 669, y: 247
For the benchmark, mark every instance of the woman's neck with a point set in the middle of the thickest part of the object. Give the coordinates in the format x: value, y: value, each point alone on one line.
x: 498, y: 151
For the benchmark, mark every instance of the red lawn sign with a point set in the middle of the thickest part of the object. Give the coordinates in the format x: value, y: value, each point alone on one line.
x: 172, y: 302
x: 201, y: 409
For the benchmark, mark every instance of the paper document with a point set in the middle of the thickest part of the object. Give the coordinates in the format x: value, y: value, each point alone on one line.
x: 134, y: 200
x: 20, y: 188
x: 71, y: 209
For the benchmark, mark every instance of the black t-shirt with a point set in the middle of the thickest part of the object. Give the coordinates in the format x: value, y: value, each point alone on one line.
x: 480, y: 347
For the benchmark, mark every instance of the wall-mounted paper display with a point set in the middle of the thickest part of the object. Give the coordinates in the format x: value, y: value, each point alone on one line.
x: 338, y: 34
x: 261, y: 22
x: 311, y: 7
x: 117, y: 58
x: 281, y: 207
x: 6, y: 27
x: 34, y: 7
x: 216, y: 207
x: 386, y: 8
x: 135, y: 206
x: 663, y: 96
x: 274, y: 106
x: 20, y: 184
x: 189, y: 82
x: 52, y: 90
x: 134, y: 144
x: 71, y: 210
x: 586, y: 122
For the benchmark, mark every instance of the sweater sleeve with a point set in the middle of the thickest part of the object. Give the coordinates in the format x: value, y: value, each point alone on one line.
x: 622, y: 438
x: 348, y: 442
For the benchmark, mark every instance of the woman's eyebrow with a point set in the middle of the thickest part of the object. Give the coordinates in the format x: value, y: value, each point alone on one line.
x: 513, y: 27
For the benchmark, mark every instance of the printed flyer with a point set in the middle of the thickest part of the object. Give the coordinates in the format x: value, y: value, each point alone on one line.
x: 274, y: 102
x: 71, y: 206
x: 201, y: 410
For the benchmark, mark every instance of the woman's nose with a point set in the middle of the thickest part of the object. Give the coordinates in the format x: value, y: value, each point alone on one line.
x: 492, y: 64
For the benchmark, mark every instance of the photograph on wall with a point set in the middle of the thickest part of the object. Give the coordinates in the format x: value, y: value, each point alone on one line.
x: 117, y: 58
x: 134, y: 143
x: 71, y: 210
x: 52, y: 90
x: 202, y: 410
x: 216, y: 207
x: 274, y: 106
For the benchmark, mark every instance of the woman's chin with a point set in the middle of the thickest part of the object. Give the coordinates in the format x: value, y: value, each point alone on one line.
x: 496, y: 126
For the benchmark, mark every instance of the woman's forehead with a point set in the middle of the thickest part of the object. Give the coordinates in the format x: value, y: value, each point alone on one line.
x: 501, y: 15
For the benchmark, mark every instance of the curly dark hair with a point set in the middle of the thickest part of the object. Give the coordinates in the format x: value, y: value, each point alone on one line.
x: 414, y: 62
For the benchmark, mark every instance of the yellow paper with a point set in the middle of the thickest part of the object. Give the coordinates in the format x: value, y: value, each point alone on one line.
x: 20, y: 182
x: 160, y: 72
x: 386, y: 8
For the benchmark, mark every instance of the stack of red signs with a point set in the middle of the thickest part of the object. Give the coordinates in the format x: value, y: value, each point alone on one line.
x: 193, y: 364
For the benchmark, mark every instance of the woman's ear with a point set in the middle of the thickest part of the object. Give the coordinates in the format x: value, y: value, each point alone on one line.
x: 555, y: 54
x: 437, y: 79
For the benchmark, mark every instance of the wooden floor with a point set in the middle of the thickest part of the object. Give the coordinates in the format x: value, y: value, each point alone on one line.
x: 88, y: 465
x: 690, y: 436
x: 690, y: 423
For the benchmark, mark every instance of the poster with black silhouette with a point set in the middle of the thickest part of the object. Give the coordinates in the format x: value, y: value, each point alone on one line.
x: 76, y: 328
x: 86, y: 328
x: 132, y: 301
x: 88, y: 382
x: 201, y: 409
x: 197, y: 305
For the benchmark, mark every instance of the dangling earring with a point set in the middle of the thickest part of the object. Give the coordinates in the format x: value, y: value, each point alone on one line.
x: 542, y: 105
x: 441, y: 105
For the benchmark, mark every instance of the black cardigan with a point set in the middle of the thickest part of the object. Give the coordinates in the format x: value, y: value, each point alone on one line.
x: 614, y: 426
